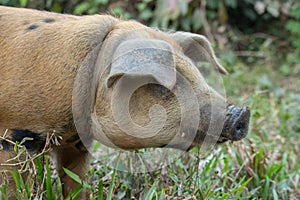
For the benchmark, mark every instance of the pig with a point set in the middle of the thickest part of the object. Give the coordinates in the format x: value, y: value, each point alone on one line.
x: 97, y: 77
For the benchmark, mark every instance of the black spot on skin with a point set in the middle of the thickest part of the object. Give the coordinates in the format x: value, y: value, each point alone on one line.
x: 32, y: 27
x: 35, y: 143
x: 6, y: 146
x: 49, y: 20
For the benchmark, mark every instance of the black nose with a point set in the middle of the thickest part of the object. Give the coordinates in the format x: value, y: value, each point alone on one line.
x: 240, y: 124
x: 237, y: 123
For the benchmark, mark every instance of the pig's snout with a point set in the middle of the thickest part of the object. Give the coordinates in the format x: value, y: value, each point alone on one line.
x: 236, y: 123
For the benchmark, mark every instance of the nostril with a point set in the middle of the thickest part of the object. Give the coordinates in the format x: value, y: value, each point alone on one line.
x: 240, y: 128
x: 236, y: 124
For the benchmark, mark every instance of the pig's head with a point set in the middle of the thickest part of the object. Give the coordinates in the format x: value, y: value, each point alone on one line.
x: 146, y: 91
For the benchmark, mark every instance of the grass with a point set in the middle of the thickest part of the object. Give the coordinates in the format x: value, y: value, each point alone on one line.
x: 263, y: 166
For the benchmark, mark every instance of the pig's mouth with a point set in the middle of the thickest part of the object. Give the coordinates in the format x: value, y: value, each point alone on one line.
x: 236, y: 124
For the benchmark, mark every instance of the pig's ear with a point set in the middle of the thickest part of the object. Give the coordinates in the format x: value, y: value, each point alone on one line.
x: 144, y: 57
x: 198, y: 48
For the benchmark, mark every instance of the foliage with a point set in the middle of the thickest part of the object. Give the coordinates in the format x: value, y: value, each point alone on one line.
x: 293, y: 25
x: 259, y: 43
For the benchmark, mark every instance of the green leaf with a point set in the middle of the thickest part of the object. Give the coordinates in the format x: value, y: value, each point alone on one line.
x: 117, y: 11
x: 56, y: 7
x: 141, y: 6
x: 266, y: 188
x: 293, y: 26
x: 23, y: 3
x: 40, y: 169
x: 81, y: 8
x: 3, y: 192
x: 231, y: 3
x: 4, y: 2
x: 296, y: 43
x: 146, y: 14
x: 274, y: 193
x: 196, y: 20
x: 48, y: 182
x: 151, y: 191
x: 285, y: 69
x: 121, y: 195
x: 183, y: 7
x: 72, y: 175
x: 295, y: 12
x: 214, y: 4
x: 103, y: 2
x: 16, y: 177
x: 162, y: 195
x: 100, y: 190
x: 74, y: 193
x: 111, y: 186
x: 273, y: 9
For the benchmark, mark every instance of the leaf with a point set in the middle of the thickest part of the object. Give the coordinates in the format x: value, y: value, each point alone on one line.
x: 111, y: 186
x: 274, y: 11
x: 293, y: 26
x: 146, y: 14
x: 23, y: 3
x: 183, y: 7
x: 266, y: 188
x: 296, y: 43
x: 103, y: 2
x: 48, y: 182
x: 214, y: 4
x: 16, y: 177
x: 40, y: 169
x: 285, y: 69
x: 56, y: 7
x: 3, y: 192
x: 100, y: 190
x: 118, y: 11
x: 295, y: 12
x: 231, y: 3
x: 74, y: 176
x: 81, y: 8
x: 141, y: 6
x: 196, y: 20
x: 162, y: 195
x: 74, y: 193
x: 121, y: 195
x: 151, y: 191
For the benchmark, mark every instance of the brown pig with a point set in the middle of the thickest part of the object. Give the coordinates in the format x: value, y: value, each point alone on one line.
x: 98, y: 77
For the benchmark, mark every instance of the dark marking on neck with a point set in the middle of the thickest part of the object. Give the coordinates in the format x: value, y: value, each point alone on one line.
x: 49, y: 20
x: 32, y: 27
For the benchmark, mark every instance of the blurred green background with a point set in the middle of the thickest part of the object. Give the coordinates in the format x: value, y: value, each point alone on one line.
x: 258, y: 41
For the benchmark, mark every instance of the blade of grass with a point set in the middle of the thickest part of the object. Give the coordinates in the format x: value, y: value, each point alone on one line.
x: 74, y: 193
x: 100, y: 190
x: 111, y: 186
x: 151, y: 191
x: 3, y: 192
x: 48, y: 182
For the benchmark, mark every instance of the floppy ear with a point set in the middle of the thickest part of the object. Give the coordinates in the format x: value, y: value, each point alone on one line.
x: 144, y: 57
x: 198, y: 48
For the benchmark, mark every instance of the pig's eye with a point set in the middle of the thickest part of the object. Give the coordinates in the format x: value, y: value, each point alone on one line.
x: 159, y: 91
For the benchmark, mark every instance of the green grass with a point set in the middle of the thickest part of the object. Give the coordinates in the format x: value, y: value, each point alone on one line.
x: 263, y: 166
